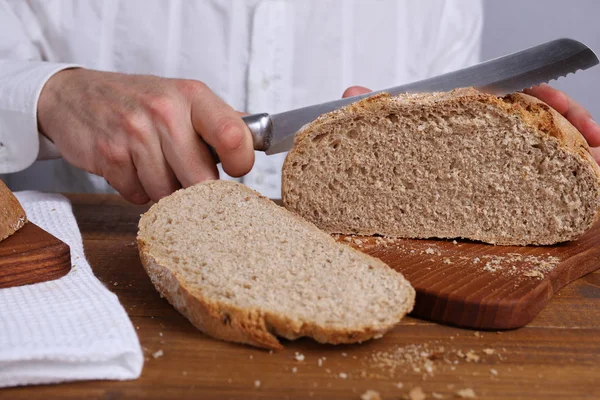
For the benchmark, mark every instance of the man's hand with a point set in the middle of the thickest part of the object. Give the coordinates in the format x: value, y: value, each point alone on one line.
x: 145, y: 135
x: 571, y: 110
x: 574, y: 112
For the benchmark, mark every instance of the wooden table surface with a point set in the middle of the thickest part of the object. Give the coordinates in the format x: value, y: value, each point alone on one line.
x: 557, y: 356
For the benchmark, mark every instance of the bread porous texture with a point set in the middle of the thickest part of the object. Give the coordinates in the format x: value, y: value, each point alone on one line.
x: 243, y: 269
x: 12, y: 215
x: 462, y: 164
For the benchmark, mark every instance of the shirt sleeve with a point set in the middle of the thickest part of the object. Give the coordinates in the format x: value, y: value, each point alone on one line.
x: 23, y: 74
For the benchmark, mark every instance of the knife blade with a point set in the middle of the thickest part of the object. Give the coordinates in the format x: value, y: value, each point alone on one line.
x: 507, y: 74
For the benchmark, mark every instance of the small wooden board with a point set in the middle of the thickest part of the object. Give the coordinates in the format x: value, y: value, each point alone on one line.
x: 32, y: 255
x: 481, y: 286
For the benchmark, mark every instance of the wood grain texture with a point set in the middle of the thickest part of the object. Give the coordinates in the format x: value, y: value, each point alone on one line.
x: 556, y: 356
x: 481, y: 286
x: 32, y: 255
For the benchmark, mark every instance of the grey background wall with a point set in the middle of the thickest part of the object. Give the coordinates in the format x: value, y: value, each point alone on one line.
x: 512, y: 25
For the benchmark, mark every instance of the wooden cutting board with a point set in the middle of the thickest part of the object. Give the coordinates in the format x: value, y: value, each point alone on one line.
x: 32, y: 255
x: 481, y: 286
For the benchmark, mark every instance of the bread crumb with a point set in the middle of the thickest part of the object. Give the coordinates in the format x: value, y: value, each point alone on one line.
x: 471, y: 356
x: 299, y: 356
x: 257, y: 384
x: 492, y: 267
x: 160, y: 334
x: 370, y: 395
x: 294, y: 370
x: 428, y: 367
x: 327, y: 370
x: 476, y: 260
x: 467, y: 393
x: 515, y: 264
x: 489, y: 352
x: 429, y: 250
x: 408, y: 358
x: 320, y: 362
x: 446, y: 261
x: 454, y: 242
x: 493, y: 372
x: 116, y: 284
x: 251, y: 357
x: 343, y: 375
x: 158, y: 353
x: 399, y: 385
x: 426, y: 359
x: 437, y: 395
x: 416, y: 393
x: 476, y: 333
x: 534, y: 274
x: 344, y: 354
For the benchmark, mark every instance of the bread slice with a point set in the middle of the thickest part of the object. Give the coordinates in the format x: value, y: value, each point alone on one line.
x: 243, y: 269
x: 462, y: 164
x: 12, y: 215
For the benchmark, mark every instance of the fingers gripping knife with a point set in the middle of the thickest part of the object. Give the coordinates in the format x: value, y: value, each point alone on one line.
x: 275, y: 133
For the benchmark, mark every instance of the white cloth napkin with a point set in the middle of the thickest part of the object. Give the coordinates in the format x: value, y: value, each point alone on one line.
x: 68, y: 329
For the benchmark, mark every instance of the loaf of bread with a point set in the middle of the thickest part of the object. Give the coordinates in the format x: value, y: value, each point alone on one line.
x: 462, y: 164
x: 243, y: 269
x: 12, y: 215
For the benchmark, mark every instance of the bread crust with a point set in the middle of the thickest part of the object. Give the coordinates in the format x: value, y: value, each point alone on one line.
x: 550, y: 122
x: 12, y: 214
x: 532, y: 111
x: 253, y: 326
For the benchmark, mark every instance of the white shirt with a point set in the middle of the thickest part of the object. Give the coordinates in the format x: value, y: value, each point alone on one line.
x: 259, y: 56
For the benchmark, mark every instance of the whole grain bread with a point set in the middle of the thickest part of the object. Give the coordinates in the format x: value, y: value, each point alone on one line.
x: 12, y: 215
x: 462, y: 164
x: 243, y: 269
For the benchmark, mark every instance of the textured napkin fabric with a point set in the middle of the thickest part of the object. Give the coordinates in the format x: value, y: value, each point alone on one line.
x: 69, y: 329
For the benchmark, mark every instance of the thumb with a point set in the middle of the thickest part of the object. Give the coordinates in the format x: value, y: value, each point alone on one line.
x: 355, y: 91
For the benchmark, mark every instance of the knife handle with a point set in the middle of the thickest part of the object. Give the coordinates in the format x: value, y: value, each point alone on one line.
x: 261, y: 128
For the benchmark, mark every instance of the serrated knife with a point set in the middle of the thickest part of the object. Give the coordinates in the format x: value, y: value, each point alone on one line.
x: 507, y: 74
